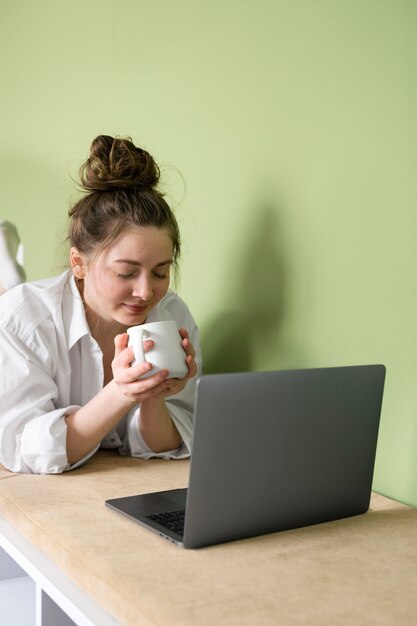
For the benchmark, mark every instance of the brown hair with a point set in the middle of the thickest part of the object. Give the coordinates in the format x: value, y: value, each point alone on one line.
x: 119, y: 180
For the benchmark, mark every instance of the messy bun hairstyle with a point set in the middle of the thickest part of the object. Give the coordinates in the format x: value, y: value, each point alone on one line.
x: 119, y: 180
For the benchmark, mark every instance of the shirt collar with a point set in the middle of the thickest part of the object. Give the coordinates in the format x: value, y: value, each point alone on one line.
x: 75, y: 321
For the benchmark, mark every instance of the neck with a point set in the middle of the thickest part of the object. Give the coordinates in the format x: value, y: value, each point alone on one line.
x: 101, y: 329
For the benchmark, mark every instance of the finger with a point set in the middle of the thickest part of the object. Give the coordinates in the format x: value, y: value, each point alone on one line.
x: 141, y: 395
x: 135, y: 372
x: 129, y: 355
x: 125, y: 357
x: 120, y: 343
x: 127, y: 371
x: 139, y: 386
x: 184, y: 333
x: 148, y: 345
x: 163, y: 390
x: 185, y: 339
x: 192, y: 366
x: 188, y: 347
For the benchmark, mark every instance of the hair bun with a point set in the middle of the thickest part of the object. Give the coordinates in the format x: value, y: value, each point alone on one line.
x: 116, y: 163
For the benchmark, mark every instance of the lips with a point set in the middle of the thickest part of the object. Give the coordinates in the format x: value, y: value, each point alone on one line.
x: 135, y: 309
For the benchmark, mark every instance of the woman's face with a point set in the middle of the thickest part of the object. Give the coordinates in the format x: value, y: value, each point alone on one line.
x: 128, y: 278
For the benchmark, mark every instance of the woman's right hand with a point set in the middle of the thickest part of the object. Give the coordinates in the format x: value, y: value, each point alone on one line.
x: 88, y: 425
x: 128, y: 379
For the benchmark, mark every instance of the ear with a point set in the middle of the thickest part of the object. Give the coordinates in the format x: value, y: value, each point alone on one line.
x: 78, y: 264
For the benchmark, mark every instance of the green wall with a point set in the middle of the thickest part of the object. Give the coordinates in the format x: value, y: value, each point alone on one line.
x: 287, y: 133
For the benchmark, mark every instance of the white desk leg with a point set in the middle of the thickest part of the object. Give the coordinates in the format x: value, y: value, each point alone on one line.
x: 48, y: 612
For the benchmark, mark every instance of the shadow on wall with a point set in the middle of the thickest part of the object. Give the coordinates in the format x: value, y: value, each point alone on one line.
x: 232, y: 340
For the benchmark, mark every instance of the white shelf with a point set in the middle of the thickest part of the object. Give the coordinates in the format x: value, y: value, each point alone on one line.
x: 41, y: 588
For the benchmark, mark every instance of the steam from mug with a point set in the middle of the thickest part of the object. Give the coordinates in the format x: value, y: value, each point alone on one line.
x: 167, y: 351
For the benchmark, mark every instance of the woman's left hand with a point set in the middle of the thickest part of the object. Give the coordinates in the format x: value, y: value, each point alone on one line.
x: 172, y: 386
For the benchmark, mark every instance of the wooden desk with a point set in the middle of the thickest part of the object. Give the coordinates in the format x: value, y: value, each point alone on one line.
x: 361, y: 570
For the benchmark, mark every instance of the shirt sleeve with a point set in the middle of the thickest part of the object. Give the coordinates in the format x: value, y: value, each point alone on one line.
x: 181, y: 405
x: 32, y: 429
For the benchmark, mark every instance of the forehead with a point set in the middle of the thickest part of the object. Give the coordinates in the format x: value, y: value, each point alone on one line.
x: 141, y: 244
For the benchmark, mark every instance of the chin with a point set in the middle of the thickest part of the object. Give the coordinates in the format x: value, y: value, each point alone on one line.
x: 132, y: 320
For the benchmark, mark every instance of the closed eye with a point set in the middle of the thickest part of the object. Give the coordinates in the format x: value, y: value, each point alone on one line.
x: 125, y: 276
x: 160, y: 275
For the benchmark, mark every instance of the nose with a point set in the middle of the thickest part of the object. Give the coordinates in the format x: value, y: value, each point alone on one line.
x: 143, y: 288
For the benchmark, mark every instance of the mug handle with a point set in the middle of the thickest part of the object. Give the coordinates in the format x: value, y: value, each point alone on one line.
x: 140, y: 357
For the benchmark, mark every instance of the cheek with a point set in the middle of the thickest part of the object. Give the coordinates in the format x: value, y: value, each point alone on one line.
x: 109, y: 289
x: 118, y: 291
x: 160, y: 290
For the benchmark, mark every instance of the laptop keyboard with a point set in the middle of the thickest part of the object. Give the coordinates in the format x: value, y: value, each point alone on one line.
x: 173, y: 520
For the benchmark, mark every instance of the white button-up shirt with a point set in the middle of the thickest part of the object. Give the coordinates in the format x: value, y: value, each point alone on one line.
x: 50, y: 366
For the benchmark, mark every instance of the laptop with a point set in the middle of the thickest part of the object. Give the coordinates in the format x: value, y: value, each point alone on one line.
x: 271, y: 451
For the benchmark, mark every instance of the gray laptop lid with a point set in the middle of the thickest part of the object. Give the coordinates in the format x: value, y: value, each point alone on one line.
x: 281, y: 449
x: 272, y: 451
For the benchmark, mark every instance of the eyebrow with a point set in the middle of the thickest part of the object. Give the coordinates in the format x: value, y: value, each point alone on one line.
x: 131, y: 262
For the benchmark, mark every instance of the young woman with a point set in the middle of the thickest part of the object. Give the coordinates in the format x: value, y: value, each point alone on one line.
x: 67, y: 385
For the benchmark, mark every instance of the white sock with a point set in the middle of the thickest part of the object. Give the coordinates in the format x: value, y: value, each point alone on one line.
x: 11, y: 257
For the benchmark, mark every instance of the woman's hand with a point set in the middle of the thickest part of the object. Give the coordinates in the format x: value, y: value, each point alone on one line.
x: 172, y: 386
x: 128, y: 378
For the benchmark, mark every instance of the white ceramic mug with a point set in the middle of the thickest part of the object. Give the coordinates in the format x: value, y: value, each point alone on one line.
x: 167, y: 351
